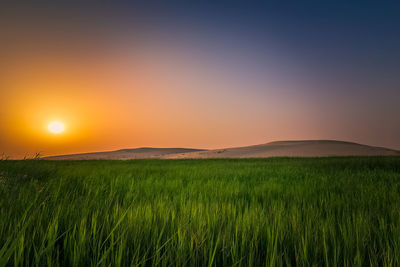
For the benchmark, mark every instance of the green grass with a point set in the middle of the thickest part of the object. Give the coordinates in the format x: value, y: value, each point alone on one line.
x: 220, y: 212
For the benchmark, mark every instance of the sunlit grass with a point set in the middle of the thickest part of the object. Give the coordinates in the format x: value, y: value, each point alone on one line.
x: 242, y: 212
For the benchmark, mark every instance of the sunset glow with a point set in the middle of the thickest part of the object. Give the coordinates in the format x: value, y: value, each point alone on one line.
x: 56, y: 127
x: 205, y: 81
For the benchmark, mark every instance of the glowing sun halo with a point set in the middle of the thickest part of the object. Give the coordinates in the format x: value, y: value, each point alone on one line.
x: 56, y: 127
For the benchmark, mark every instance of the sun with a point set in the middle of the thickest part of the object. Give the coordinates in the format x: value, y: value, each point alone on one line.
x: 56, y: 127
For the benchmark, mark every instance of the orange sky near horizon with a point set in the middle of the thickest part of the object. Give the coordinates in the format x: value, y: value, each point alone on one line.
x: 111, y: 101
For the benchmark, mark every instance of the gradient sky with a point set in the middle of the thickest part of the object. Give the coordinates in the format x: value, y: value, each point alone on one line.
x: 203, y: 76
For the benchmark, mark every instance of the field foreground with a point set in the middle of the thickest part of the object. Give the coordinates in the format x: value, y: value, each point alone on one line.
x: 196, y: 212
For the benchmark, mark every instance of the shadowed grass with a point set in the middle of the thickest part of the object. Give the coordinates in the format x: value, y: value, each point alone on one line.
x: 231, y: 212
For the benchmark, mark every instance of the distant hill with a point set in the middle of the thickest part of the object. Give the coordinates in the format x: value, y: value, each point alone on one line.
x: 124, y: 154
x: 304, y: 148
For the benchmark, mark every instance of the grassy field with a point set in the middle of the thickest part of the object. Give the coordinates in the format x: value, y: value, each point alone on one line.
x: 236, y: 212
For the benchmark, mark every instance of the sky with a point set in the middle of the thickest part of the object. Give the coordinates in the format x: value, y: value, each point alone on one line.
x: 205, y: 75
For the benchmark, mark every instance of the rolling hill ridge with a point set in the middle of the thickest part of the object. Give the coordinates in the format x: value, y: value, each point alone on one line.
x: 302, y: 148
